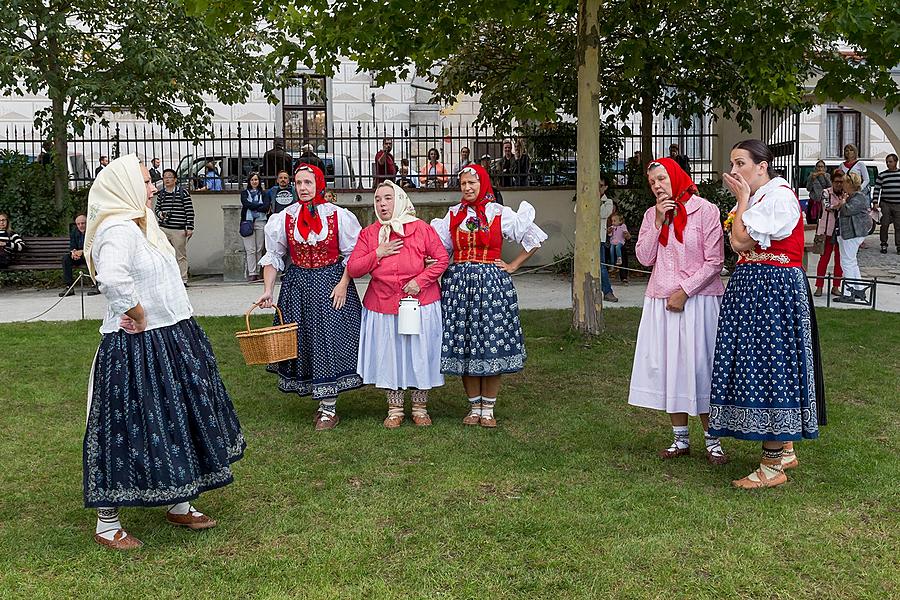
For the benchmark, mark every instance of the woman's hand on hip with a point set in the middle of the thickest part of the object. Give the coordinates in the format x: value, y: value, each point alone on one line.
x: 412, y: 288
x: 339, y: 296
x: 508, y: 267
x: 265, y: 301
x: 132, y: 325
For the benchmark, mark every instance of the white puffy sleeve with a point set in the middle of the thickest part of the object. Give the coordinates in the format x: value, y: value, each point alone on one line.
x: 773, y: 218
x: 519, y: 226
x: 276, y: 241
x: 113, y: 254
x: 442, y: 227
x: 348, y: 232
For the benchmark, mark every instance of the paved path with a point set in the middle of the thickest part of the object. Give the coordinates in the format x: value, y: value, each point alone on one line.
x: 212, y: 297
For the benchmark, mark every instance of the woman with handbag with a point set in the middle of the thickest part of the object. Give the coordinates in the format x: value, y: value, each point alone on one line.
x: 817, y: 182
x: 255, y: 205
x: 825, y: 243
x: 854, y: 223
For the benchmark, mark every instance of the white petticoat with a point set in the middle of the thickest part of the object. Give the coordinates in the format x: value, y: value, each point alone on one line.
x: 393, y: 361
x: 673, y: 360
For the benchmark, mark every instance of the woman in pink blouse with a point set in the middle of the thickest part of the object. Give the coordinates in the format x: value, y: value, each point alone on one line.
x: 681, y: 238
x: 393, y: 252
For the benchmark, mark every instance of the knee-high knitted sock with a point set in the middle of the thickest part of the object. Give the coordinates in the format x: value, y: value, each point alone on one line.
x: 487, y: 407
x: 419, y: 403
x: 328, y: 406
x: 771, y: 462
x: 475, y: 406
x: 107, y: 522
x: 395, y: 403
x: 682, y: 438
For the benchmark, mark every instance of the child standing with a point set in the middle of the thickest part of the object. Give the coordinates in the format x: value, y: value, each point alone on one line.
x: 618, y: 235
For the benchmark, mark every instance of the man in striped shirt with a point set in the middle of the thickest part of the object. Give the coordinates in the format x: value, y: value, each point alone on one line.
x: 887, y: 198
x: 175, y: 213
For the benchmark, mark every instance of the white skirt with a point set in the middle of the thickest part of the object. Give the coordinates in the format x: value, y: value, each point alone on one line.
x: 673, y: 359
x: 392, y: 361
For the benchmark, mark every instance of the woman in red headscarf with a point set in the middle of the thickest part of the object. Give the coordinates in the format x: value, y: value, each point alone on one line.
x: 316, y: 237
x: 681, y: 238
x: 482, y: 334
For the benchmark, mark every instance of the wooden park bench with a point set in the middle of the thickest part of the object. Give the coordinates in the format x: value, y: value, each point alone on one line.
x: 40, y: 254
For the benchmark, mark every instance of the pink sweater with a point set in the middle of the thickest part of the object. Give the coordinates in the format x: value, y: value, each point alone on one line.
x: 391, y: 273
x: 694, y: 266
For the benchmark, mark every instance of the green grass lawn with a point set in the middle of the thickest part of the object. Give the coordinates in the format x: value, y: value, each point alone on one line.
x: 566, y: 499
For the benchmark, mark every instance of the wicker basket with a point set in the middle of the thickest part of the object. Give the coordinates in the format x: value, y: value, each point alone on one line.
x: 269, y: 344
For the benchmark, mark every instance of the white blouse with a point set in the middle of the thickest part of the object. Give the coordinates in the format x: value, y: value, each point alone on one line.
x: 862, y: 171
x: 517, y: 226
x: 277, y: 240
x: 775, y: 217
x: 130, y: 271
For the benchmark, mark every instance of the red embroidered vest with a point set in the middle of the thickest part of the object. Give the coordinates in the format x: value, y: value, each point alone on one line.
x: 781, y: 253
x: 466, y: 247
x: 323, y: 253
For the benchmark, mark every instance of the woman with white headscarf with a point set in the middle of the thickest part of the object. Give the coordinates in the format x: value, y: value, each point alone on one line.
x: 161, y: 428
x: 393, y: 251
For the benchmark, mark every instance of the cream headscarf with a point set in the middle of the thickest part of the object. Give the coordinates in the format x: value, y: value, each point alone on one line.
x: 119, y: 192
x: 404, y: 212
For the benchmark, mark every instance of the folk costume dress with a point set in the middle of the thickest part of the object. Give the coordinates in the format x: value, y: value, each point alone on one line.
x: 672, y: 369
x: 308, y: 242
x: 161, y: 428
x: 767, y: 374
x: 387, y: 359
x: 482, y: 332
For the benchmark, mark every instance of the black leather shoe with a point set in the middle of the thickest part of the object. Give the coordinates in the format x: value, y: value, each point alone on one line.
x: 65, y: 293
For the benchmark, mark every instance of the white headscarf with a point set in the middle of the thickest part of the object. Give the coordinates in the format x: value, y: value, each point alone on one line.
x: 119, y: 192
x: 404, y: 212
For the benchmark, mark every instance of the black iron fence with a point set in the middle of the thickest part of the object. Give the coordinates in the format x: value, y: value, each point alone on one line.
x: 424, y: 155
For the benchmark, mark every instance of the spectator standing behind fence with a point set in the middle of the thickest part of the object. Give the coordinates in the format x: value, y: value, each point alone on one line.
x: 212, y: 179
x: 464, y: 161
x: 826, y: 234
x: 75, y: 257
x: 175, y: 213
x: 46, y: 155
x: 852, y: 164
x: 853, y: 224
x: 816, y: 184
x: 634, y: 169
x: 507, y: 167
x: 385, y: 167
x: 155, y: 173
x: 887, y: 198
x: 523, y: 163
x: 274, y: 161
x: 10, y: 242
x: 308, y: 156
x: 404, y: 180
x: 682, y: 160
x: 281, y: 195
x: 434, y: 174
x: 104, y: 160
x: 254, y: 214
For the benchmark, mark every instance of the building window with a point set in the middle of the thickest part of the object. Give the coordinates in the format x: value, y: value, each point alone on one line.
x: 843, y: 127
x: 305, y: 112
x: 692, y: 139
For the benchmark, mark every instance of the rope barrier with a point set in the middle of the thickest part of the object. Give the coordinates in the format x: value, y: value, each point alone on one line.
x: 65, y: 295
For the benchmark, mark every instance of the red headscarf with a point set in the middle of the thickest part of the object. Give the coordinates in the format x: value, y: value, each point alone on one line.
x: 308, y: 218
x: 683, y: 187
x: 485, y: 195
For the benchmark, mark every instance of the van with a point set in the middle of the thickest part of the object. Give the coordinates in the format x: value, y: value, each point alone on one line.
x: 233, y: 170
x: 339, y: 173
x: 805, y: 168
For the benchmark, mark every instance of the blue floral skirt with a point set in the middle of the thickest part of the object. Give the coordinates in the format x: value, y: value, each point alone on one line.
x: 327, y: 339
x: 482, y: 333
x: 161, y: 428
x: 767, y: 378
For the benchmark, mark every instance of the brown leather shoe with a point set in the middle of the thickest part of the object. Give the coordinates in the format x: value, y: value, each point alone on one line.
x: 489, y: 422
x: 471, y: 419
x: 393, y: 422
x: 326, y: 423
x: 191, y: 520
x: 667, y: 454
x: 745, y: 483
x: 716, y: 459
x: 422, y: 420
x: 316, y: 416
x: 120, y: 541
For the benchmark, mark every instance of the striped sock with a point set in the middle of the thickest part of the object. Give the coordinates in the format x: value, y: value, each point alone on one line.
x: 682, y: 438
x: 475, y: 406
x: 713, y: 445
x: 420, y: 403
x: 771, y: 462
x: 487, y: 407
x: 328, y: 407
x: 395, y: 403
x: 107, y: 522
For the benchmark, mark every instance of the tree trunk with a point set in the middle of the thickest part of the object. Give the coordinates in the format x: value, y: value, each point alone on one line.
x: 61, y: 152
x: 587, y: 295
x: 646, y: 133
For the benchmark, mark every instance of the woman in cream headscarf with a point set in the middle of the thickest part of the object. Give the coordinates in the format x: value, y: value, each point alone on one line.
x: 161, y: 428
x: 393, y: 250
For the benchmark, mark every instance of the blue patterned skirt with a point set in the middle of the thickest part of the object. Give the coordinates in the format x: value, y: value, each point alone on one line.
x: 482, y: 333
x: 161, y: 428
x: 767, y: 378
x: 327, y: 339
